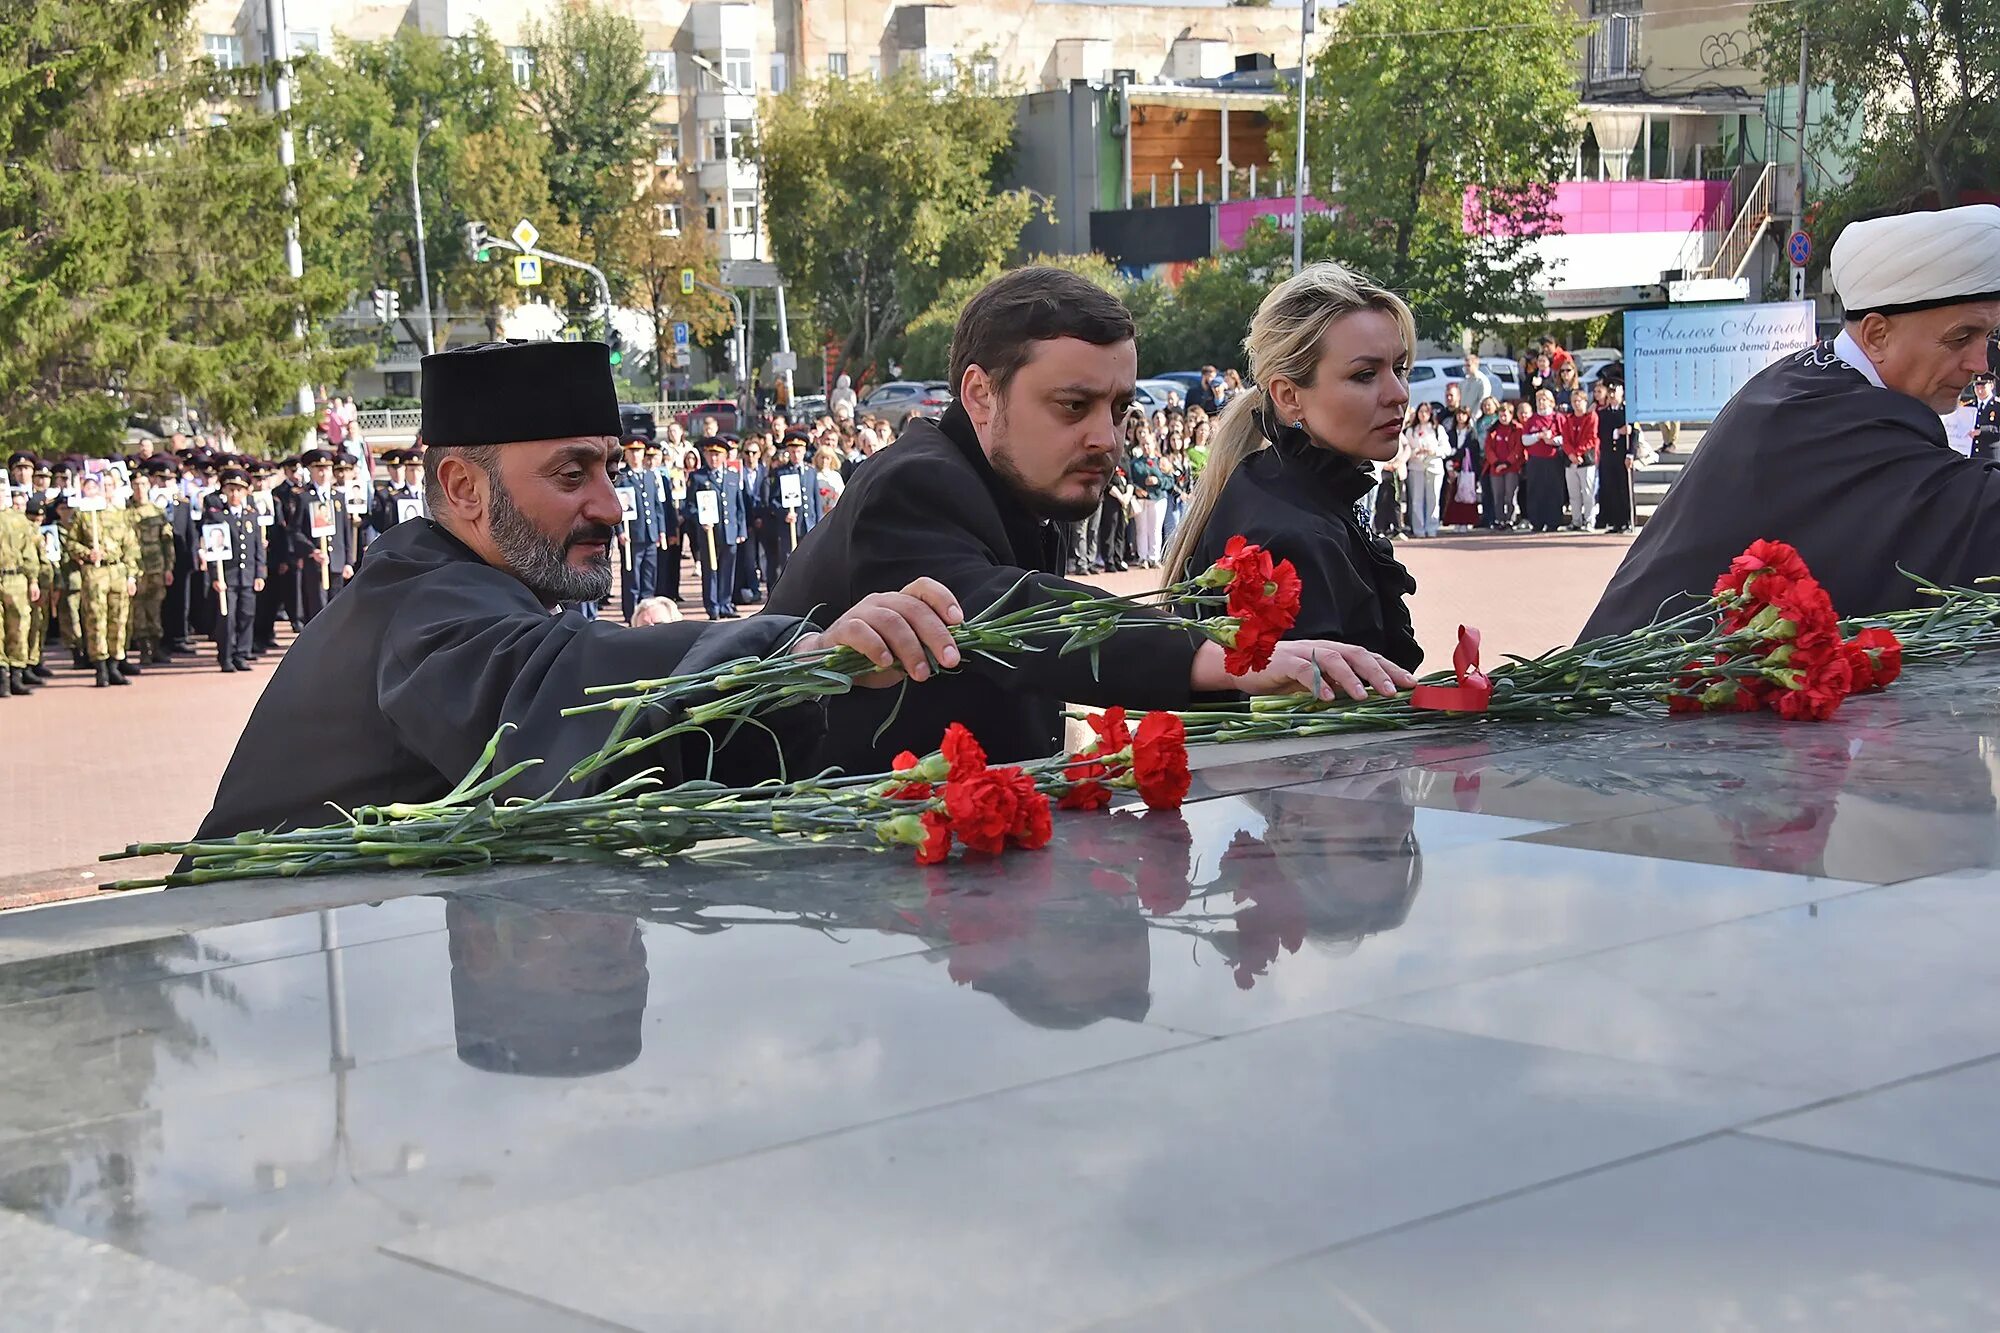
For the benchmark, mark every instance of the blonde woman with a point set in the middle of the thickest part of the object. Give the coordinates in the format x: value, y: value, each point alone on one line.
x: 827, y: 463
x: 1329, y: 353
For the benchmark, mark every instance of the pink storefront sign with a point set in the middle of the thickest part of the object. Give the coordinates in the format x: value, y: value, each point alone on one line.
x: 1607, y: 208
x: 1233, y: 219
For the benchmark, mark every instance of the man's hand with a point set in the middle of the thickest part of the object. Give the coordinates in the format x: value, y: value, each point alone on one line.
x: 170, y: 579
x: 892, y: 630
x: 347, y: 571
x: 1301, y: 665
x: 319, y: 557
x: 256, y: 585
x: 131, y: 587
x: 34, y: 592
x: 217, y: 585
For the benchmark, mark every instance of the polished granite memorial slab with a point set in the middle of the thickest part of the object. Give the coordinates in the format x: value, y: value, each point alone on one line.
x: 1644, y: 1025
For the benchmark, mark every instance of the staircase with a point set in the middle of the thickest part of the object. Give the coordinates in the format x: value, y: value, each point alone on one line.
x: 1650, y: 484
x: 1721, y: 244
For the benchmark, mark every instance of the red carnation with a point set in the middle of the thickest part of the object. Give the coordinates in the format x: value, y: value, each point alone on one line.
x: 982, y: 807
x: 1760, y: 558
x: 1816, y: 680
x: 1875, y: 656
x: 962, y: 751
x: 917, y: 790
x: 1085, y: 791
x: 937, y: 839
x: 1031, y: 826
x: 1160, y: 762
x: 1112, y: 733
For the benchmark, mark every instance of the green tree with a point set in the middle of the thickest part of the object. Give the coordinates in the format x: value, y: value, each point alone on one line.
x: 878, y: 193
x: 648, y: 255
x: 927, y: 341
x: 142, y: 233
x: 591, y: 94
x: 481, y: 158
x: 1921, y: 81
x: 1414, y: 103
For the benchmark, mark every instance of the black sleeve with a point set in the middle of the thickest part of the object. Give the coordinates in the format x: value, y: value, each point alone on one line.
x: 454, y: 668
x: 917, y: 532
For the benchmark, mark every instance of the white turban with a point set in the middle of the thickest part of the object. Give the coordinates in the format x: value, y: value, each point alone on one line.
x: 1916, y: 261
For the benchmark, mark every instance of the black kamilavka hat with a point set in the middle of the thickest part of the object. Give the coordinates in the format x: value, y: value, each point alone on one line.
x: 509, y: 392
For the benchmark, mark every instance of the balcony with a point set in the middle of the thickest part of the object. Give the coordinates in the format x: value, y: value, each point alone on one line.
x: 735, y: 173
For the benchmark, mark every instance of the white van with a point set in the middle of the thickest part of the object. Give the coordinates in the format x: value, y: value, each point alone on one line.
x: 1429, y: 376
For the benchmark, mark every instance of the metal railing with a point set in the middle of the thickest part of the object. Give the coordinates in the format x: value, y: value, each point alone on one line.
x: 1732, y: 253
x: 405, y: 420
x: 1704, y: 239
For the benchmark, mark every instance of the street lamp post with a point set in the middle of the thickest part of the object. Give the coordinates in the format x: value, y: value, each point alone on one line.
x: 417, y: 208
x: 1307, y: 14
x: 784, y: 332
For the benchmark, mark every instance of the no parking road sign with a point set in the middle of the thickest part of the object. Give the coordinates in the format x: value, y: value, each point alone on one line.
x: 1799, y: 248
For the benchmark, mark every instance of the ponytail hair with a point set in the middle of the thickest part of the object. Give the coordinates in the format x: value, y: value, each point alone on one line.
x: 1285, y: 340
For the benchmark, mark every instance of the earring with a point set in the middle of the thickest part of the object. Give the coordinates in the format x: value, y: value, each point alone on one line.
x: 1300, y: 424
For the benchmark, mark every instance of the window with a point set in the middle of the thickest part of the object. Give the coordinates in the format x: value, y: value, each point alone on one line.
x: 667, y: 149
x: 224, y: 48
x: 399, y: 383
x: 738, y: 70
x: 836, y: 64
x: 875, y: 66
x: 725, y: 138
x: 780, y: 72
x: 521, y: 63
x: 714, y: 216
x: 667, y: 217
x: 939, y: 67
x: 986, y: 74
x: 305, y: 41
x: 1614, y: 43
x: 664, y: 72
x: 743, y: 210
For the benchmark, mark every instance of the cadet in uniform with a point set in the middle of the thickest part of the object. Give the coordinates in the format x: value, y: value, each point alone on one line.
x: 41, y: 607
x: 715, y: 547
x: 236, y: 581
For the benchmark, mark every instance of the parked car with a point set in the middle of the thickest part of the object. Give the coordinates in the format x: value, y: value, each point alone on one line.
x: 721, y: 409
x: 1429, y: 375
x: 1187, y: 380
x: 806, y: 408
x: 635, y: 419
x: 1152, y: 394
x: 895, y: 401
x: 1592, y: 361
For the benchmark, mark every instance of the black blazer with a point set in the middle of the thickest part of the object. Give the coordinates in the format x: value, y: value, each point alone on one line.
x: 1297, y: 501
x: 931, y: 505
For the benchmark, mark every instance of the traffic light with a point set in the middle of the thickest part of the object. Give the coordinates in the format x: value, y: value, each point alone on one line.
x: 388, y: 305
x: 687, y: 282
x: 478, y: 242
x: 617, y: 347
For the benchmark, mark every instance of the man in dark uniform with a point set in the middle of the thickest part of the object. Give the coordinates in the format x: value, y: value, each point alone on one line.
x: 642, y: 534
x: 750, y: 476
x: 451, y: 628
x: 1043, y: 364
x: 1985, y: 420
x: 323, y: 557
x: 791, y: 504
x: 237, y: 580
x: 1840, y: 449
x: 715, y: 541
x: 285, y: 567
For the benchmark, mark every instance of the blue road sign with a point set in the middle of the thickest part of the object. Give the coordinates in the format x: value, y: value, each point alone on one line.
x: 680, y: 333
x: 1799, y: 248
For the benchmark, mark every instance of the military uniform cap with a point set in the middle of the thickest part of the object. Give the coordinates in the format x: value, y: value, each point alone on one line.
x: 314, y: 457
x: 234, y: 475
x: 507, y: 392
x: 158, y: 463
x: 16, y: 459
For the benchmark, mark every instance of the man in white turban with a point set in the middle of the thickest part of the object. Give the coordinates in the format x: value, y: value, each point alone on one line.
x: 1840, y: 449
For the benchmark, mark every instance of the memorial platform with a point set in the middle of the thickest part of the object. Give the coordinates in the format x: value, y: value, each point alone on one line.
x: 1638, y: 1025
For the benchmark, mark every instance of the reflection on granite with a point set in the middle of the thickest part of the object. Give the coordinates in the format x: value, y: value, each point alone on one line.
x: 1387, y: 983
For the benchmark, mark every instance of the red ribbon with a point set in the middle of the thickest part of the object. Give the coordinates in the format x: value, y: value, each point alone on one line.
x: 1473, y: 691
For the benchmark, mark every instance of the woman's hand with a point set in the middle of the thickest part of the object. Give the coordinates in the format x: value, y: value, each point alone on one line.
x: 1300, y: 666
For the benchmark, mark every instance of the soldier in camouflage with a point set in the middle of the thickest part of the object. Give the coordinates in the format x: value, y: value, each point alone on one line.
x: 155, y: 540
x: 97, y: 551
x: 20, y: 555
x: 43, y: 606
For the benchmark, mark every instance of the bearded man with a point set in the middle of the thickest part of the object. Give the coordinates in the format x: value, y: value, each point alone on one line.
x: 454, y: 624
x: 1840, y: 449
x: 1044, y: 364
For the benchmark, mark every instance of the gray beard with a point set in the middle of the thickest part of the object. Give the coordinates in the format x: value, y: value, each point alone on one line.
x: 543, y: 564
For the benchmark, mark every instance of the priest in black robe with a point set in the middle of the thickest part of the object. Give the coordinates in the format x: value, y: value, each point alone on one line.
x: 1840, y: 449
x: 1044, y: 363
x: 452, y: 626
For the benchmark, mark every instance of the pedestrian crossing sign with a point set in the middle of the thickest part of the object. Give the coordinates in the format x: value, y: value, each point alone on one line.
x: 527, y: 271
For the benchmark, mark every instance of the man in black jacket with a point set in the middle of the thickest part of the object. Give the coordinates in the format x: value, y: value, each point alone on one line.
x: 453, y: 626
x: 1044, y: 364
